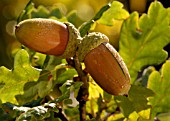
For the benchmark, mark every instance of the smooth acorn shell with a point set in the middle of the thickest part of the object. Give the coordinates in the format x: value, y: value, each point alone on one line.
x: 43, y: 35
x: 108, y: 69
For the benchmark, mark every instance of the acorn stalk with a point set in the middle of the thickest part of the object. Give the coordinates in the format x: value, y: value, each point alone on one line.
x: 105, y: 65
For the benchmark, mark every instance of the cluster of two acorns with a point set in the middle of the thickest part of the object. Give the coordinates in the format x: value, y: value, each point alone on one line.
x: 101, y: 60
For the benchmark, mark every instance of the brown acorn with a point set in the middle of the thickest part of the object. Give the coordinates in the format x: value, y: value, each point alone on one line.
x: 48, y: 36
x: 105, y: 65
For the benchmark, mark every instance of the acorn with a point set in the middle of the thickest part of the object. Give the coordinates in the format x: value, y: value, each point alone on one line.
x: 104, y: 64
x: 48, y: 36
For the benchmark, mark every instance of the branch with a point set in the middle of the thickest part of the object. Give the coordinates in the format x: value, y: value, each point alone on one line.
x: 113, y: 113
x: 83, y: 92
x: 61, y: 115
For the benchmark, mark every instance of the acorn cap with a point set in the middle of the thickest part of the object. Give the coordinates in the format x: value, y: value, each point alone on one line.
x: 89, y: 42
x: 74, y: 41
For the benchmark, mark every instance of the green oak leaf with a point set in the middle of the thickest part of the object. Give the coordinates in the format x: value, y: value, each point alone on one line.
x: 138, y: 95
x: 25, y: 14
x: 44, y: 12
x: 72, y: 112
x: 169, y: 14
x: 31, y: 11
x: 143, y: 80
x: 30, y: 114
x: 45, y: 84
x: 41, y: 88
x: 135, y: 102
x: 85, y: 27
x: 142, y: 39
x: 55, y: 11
x: 73, y: 18
x: 51, y: 62
x: 5, y: 116
x: 38, y: 59
x: 68, y: 74
x: 12, y: 81
x: 66, y: 89
x: 164, y: 116
x: 40, y: 12
x: 159, y: 82
x: 116, y: 11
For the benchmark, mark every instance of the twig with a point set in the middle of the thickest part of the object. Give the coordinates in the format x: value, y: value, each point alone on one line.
x: 83, y: 92
x: 102, y: 106
x: 110, y: 114
x: 61, y: 115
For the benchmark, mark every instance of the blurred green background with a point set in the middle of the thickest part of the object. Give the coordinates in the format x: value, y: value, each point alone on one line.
x: 9, y: 10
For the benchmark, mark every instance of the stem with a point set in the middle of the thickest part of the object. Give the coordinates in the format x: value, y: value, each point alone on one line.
x: 83, y: 92
x: 113, y: 113
x: 61, y: 115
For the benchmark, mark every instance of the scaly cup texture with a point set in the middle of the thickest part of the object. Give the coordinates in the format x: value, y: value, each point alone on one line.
x: 48, y: 36
x: 89, y: 42
x: 105, y: 66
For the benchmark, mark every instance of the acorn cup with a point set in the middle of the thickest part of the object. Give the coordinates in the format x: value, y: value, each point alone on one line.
x: 48, y: 36
x: 104, y: 64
